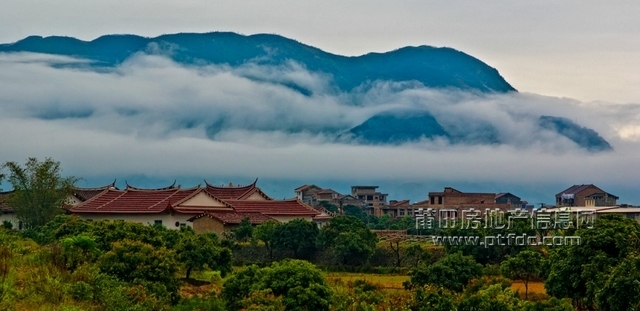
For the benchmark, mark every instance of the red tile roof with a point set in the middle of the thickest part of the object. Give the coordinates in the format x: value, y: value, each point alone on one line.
x: 234, y: 217
x: 272, y: 208
x: 133, y: 200
x: 235, y: 193
x: 87, y: 193
x: 4, y: 207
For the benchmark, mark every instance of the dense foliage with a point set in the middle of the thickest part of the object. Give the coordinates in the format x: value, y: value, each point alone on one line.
x: 39, y: 190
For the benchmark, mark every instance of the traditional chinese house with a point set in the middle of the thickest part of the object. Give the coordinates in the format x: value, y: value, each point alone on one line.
x: 174, y: 206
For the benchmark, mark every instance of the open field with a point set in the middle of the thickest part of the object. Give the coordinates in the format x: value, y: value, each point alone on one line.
x: 387, y: 281
x: 535, y: 288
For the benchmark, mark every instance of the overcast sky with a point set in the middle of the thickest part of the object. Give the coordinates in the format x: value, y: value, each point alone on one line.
x: 572, y: 59
x: 588, y: 50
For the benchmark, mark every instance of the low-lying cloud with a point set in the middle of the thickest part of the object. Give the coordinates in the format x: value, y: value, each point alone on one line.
x: 153, y: 116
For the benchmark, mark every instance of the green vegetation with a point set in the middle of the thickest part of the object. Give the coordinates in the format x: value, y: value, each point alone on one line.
x: 40, y: 190
x: 68, y: 263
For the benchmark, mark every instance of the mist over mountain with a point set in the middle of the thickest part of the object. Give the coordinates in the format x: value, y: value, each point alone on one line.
x: 433, y: 67
x: 312, y: 73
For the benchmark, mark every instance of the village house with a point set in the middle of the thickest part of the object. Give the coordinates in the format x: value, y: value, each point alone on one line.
x: 452, y: 198
x: 306, y: 193
x: 7, y: 213
x: 225, y: 222
x: 79, y: 195
x: 585, y: 195
x: 174, y: 207
x: 372, y: 201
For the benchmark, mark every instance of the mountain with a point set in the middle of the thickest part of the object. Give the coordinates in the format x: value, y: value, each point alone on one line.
x: 399, y: 128
x: 418, y: 66
x: 584, y: 137
x: 431, y: 66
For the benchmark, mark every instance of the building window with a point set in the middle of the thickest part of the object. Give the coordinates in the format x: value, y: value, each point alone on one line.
x: 369, y: 197
x: 440, y: 200
x: 433, y: 199
x: 157, y: 222
x: 370, y: 204
x: 401, y: 212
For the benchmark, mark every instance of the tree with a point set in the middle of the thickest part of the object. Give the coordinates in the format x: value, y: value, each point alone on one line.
x: 298, y: 236
x: 328, y: 206
x: 354, y: 247
x: 77, y: 250
x: 580, y: 271
x: 622, y: 288
x: 142, y: 264
x: 350, y: 238
x: 196, y: 252
x: 524, y: 266
x: 265, y: 232
x: 244, y: 232
x: 240, y: 285
x: 40, y: 190
x: 493, y: 297
x: 301, y: 285
x: 355, y: 211
x: 403, y: 252
x: 453, y: 272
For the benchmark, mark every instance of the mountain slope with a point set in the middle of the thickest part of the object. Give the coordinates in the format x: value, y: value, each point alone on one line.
x: 433, y: 67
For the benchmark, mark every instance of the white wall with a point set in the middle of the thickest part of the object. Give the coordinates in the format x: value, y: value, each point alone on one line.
x: 168, y: 220
x: 290, y: 218
x: 10, y: 217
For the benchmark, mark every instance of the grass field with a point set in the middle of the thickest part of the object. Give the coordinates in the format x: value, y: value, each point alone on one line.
x: 535, y: 288
x: 387, y: 281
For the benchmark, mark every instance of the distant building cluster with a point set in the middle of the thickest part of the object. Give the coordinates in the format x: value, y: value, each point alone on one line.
x: 221, y: 208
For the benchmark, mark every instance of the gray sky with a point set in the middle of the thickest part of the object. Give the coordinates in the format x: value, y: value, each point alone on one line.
x: 588, y: 50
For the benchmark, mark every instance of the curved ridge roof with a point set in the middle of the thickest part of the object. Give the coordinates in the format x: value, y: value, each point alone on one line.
x: 172, y: 186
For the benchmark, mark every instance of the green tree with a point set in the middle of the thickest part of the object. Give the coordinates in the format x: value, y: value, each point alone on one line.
x: 298, y: 236
x: 579, y: 272
x: 355, y: 211
x: 265, y: 232
x: 240, y: 285
x: 40, y: 190
x: 353, y: 247
x: 490, y: 255
x: 142, y: 264
x: 404, y: 252
x: 300, y: 284
x: 350, y: 238
x: 244, y: 232
x: 77, y: 250
x: 432, y: 298
x: 493, y: 298
x: 452, y: 272
x: 328, y: 206
x: 621, y: 291
x: 524, y: 266
x: 196, y: 252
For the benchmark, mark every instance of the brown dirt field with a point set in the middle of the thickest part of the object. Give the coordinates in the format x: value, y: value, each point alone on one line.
x: 536, y: 289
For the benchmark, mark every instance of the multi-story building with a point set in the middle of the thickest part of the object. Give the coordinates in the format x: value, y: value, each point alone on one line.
x: 452, y: 198
x: 585, y: 195
x: 372, y: 200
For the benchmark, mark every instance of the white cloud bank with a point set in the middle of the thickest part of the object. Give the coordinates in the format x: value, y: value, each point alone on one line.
x: 154, y: 117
